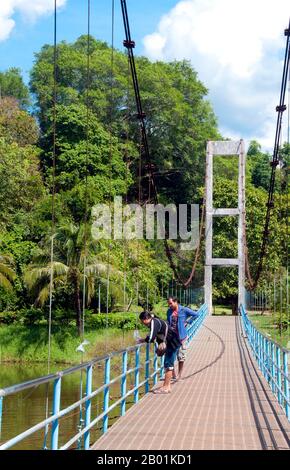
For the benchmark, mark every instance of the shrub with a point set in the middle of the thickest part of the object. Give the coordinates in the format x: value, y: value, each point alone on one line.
x: 7, y: 318
x: 124, y: 321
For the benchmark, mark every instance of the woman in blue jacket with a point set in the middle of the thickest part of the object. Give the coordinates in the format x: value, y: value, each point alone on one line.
x: 177, y: 316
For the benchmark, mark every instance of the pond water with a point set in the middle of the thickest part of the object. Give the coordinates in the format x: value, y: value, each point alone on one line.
x: 24, y: 409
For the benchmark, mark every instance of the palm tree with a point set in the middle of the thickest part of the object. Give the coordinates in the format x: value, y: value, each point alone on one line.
x: 7, y: 274
x: 76, y: 261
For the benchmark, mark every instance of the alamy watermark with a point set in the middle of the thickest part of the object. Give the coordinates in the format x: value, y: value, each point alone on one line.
x: 120, y: 221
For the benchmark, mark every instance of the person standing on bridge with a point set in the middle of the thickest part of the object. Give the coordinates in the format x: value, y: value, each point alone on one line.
x: 161, y: 331
x: 177, y: 316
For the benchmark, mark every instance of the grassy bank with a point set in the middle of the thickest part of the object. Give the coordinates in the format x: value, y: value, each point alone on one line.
x: 20, y: 343
x: 269, y: 325
x: 112, y: 332
x: 221, y: 310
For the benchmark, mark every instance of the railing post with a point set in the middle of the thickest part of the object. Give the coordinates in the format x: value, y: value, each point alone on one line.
x: 1, y: 411
x: 106, y: 393
x: 264, y: 356
x: 155, y: 362
x: 268, y: 362
x: 278, y: 363
x: 250, y: 329
x: 253, y: 337
x: 256, y: 346
x: 259, y: 349
x: 124, y: 382
x: 286, y: 382
x: 147, y: 368
x: 273, y: 368
x: 88, y: 406
x: 55, y: 410
x: 137, y: 374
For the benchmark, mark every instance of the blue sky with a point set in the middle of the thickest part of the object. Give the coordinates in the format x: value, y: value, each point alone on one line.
x: 28, y: 35
x: 237, y: 51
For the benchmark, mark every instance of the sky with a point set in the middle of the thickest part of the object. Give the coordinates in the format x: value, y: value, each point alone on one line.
x: 237, y: 47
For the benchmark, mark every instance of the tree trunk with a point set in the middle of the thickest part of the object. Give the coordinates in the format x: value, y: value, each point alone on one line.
x: 77, y: 302
x: 129, y: 305
x: 234, y: 306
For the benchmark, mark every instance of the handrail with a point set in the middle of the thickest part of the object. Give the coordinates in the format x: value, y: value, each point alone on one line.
x: 266, y: 337
x: 48, y: 378
x: 56, y: 378
x: 268, y: 355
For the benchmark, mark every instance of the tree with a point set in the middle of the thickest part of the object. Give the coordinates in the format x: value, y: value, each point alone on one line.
x: 16, y: 125
x: 12, y: 85
x: 21, y: 183
x: 68, y: 267
x: 7, y: 274
x: 260, y: 165
x: 179, y: 119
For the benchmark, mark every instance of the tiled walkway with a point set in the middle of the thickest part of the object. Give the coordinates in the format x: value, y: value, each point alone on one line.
x: 222, y: 403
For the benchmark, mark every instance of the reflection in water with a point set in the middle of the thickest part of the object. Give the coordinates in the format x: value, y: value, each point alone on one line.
x: 25, y: 409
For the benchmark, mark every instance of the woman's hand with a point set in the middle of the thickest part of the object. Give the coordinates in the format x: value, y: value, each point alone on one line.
x: 140, y: 341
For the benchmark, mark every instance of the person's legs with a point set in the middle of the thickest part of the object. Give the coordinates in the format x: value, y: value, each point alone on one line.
x: 169, y: 359
x: 181, y: 355
x: 167, y: 379
x: 180, y: 369
x: 174, y: 374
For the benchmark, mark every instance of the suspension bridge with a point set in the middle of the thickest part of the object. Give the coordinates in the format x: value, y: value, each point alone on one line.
x: 235, y: 390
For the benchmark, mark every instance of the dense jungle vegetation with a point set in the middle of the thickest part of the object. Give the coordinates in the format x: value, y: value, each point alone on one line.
x: 97, y: 156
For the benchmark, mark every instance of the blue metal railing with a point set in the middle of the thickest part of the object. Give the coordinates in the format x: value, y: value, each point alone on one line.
x: 272, y: 360
x: 57, y: 413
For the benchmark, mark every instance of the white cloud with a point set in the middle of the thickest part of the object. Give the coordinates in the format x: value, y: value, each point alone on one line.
x: 29, y: 9
x: 237, y: 47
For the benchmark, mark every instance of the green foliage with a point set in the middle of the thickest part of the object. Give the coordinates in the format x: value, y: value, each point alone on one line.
x: 97, y: 151
x: 7, y: 274
x: 260, y: 164
x: 19, y: 168
x: 76, y: 255
x: 11, y: 84
x: 179, y: 119
x: 123, y: 321
x: 16, y: 125
x: 86, y: 152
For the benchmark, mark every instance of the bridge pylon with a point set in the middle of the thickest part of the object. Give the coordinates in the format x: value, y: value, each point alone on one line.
x: 231, y: 149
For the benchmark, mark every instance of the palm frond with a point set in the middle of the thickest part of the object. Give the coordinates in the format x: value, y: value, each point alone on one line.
x: 98, y: 268
x: 7, y: 272
x: 42, y: 296
x: 5, y: 283
x: 36, y: 273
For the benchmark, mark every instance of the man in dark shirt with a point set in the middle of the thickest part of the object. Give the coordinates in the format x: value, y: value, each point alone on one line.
x: 158, y: 329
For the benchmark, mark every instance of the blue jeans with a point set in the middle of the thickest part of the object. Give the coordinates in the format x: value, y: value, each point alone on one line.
x: 170, y: 357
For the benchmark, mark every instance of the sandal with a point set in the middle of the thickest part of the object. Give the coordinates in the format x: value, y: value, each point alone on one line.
x: 162, y: 392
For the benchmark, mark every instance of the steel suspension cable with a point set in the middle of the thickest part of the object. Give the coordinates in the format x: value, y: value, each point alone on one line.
x: 51, y: 287
x: 82, y: 326
x: 281, y: 220
x: 125, y: 245
x: 88, y: 87
x: 287, y: 210
x: 253, y: 281
x: 130, y: 45
x: 111, y: 104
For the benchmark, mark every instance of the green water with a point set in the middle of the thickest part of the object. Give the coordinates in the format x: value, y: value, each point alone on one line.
x: 27, y: 408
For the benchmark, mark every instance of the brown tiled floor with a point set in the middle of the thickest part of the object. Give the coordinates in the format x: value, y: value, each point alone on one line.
x: 222, y: 403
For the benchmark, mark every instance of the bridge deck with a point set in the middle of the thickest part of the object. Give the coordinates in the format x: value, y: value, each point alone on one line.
x: 222, y: 403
